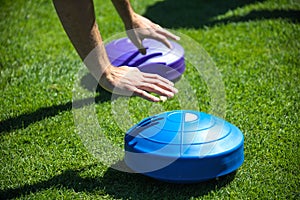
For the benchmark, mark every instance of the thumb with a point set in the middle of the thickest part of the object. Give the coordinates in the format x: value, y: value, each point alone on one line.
x: 143, y: 51
x: 133, y: 36
x: 138, y: 43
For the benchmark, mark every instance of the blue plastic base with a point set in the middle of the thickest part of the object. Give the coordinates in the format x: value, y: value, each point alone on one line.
x: 184, y: 147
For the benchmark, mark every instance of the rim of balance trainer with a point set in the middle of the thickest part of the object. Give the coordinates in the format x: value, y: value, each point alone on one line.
x: 184, y: 146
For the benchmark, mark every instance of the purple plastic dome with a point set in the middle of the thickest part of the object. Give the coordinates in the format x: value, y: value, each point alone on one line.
x: 169, y: 63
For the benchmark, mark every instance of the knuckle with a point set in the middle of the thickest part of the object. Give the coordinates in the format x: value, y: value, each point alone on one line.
x: 156, y: 77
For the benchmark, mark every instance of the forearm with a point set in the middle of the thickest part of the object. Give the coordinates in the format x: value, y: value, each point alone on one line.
x: 125, y: 11
x: 78, y: 20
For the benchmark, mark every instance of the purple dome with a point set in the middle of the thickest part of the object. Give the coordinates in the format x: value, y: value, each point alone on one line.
x: 169, y: 63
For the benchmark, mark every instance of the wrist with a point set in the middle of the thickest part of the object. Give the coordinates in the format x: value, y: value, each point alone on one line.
x: 125, y: 11
x: 107, y: 72
x: 106, y: 78
x: 129, y: 21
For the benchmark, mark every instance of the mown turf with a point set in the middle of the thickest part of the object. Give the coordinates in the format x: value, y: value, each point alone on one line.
x: 255, y: 46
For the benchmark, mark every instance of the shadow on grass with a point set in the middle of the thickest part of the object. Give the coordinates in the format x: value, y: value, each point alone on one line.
x: 201, y: 13
x: 24, y: 120
x: 119, y: 185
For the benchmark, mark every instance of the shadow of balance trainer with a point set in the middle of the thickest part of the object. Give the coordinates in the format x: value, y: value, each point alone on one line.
x: 201, y: 13
x: 118, y: 185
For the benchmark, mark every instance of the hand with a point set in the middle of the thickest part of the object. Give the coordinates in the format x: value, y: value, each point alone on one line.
x: 140, y: 28
x: 131, y: 81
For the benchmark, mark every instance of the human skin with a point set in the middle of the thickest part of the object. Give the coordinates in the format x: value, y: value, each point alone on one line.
x: 78, y: 20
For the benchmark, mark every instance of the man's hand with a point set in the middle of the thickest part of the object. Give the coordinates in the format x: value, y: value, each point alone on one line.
x: 139, y: 28
x: 78, y: 20
x: 130, y: 81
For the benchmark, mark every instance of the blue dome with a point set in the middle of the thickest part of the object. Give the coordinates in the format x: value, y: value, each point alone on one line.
x: 184, y: 146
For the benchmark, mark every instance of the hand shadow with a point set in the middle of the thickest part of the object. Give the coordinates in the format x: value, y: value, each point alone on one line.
x: 26, y: 119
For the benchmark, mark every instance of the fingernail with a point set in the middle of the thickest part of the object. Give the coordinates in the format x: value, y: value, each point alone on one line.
x: 156, y: 99
x: 163, y: 98
x: 175, y: 90
x: 170, y: 94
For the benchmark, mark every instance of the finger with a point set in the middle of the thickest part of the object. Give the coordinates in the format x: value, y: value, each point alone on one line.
x: 156, y: 89
x: 143, y: 51
x: 161, y: 38
x: 136, y: 41
x: 163, y: 98
x: 167, y: 34
x: 162, y: 85
x: 158, y: 77
x: 146, y: 95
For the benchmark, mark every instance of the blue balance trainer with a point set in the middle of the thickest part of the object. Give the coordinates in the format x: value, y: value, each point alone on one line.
x: 184, y: 146
x: 169, y: 63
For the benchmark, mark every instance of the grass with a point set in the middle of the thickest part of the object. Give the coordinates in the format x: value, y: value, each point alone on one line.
x: 254, y: 44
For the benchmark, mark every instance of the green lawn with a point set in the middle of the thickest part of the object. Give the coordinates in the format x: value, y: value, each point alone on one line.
x: 254, y: 44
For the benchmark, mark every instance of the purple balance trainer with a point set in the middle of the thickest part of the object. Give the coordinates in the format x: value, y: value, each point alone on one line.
x: 184, y: 146
x: 169, y: 63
